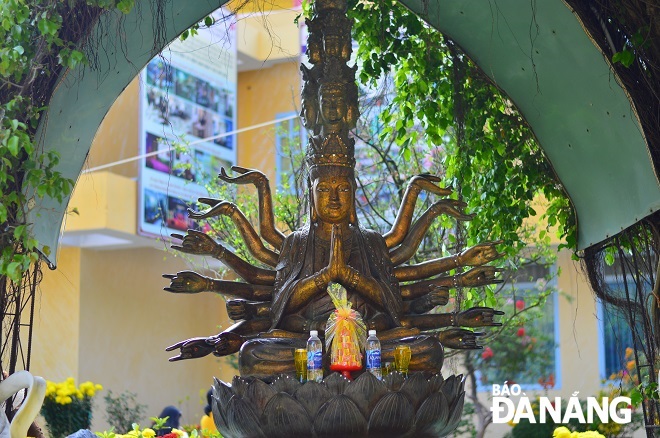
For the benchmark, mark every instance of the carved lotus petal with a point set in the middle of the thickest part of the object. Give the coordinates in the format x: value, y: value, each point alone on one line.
x: 394, y: 380
x: 365, y: 391
x: 242, y: 420
x: 239, y: 385
x: 286, y: 418
x: 416, y: 388
x: 432, y: 415
x: 285, y: 383
x: 311, y: 396
x: 336, y: 383
x: 219, y: 415
x: 339, y: 417
x: 392, y: 416
x: 449, y: 387
x: 436, y: 382
x: 455, y: 412
x: 258, y: 394
x: 223, y: 392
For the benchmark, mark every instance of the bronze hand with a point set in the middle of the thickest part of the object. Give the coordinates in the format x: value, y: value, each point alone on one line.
x: 480, y: 276
x: 247, y: 176
x: 419, y: 289
x: 480, y: 254
x: 226, y: 343
x: 242, y: 309
x: 478, y: 317
x: 191, y: 349
x: 187, y: 282
x: 438, y: 297
x: 414, y: 238
x: 197, y: 243
x: 266, y: 217
x: 460, y: 339
x: 217, y: 208
x: 337, y: 269
x: 426, y: 181
x: 249, y: 235
x: 403, y: 218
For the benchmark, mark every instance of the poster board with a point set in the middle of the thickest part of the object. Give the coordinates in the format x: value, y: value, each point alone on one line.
x: 187, y: 107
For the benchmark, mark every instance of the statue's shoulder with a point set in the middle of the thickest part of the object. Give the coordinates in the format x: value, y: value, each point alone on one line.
x: 372, y: 237
x: 292, y: 247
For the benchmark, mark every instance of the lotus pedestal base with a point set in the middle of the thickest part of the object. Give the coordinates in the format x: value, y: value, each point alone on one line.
x: 420, y: 406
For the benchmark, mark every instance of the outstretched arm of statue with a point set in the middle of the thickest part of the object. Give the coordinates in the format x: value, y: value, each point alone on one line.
x: 222, y: 344
x: 189, y: 282
x: 413, y: 239
x: 416, y: 290
x: 198, y: 243
x: 266, y: 217
x: 474, y: 317
x: 244, y: 309
x: 403, y: 218
x: 474, y: 256
x: 460, y: 339
x: 245, y: 228
x: 438, y: 297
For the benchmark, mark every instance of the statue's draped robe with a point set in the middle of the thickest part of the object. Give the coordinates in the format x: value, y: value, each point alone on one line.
x: 303, y: 254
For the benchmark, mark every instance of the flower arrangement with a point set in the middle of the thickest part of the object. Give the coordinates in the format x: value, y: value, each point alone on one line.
x: 68, y: 408
x: 149, y: 432
x: 564, y: 432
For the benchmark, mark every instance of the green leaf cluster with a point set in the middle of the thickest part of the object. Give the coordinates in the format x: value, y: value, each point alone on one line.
x: 489, y: 153
x: 38, y: 39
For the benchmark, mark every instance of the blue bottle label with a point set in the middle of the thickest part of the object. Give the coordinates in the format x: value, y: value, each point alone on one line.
x: 314, y: 360
x: 373, y: 359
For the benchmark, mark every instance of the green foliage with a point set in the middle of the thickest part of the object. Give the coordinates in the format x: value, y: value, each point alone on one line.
x: 35, y: 45
x: 63, y: 420
x: 491, y: 156
x: 123, y: 410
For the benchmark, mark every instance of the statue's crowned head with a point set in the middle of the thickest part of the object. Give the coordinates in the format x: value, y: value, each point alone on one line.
x: 330, y: 110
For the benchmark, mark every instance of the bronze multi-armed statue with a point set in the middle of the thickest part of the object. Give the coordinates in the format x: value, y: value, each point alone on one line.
x: 277, y: 306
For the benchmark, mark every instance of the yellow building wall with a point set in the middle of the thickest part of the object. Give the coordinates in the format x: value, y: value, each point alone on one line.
x: 117, y: 137
x: 55, y: 345
x: 264, y: 94
x: 127, y: 321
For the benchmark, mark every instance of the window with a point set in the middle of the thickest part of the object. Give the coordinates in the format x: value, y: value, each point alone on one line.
x: 614, y: 337
x: 288, y: 146
x: 527, y: 353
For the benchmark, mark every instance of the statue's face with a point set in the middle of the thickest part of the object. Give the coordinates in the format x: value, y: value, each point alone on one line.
x: 333, y: 198
x: 333, y: 104
x: 333, y: 45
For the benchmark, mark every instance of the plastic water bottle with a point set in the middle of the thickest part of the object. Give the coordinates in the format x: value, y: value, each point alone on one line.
x: 373, y: 355
x: 314, y: 357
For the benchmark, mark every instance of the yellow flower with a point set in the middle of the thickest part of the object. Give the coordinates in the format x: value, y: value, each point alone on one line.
x: 630, y: 365
x: 98, y: 387
x: 629, y: 353
x: 561, y: 432
x: 148, y: 433
x: 180, y: 433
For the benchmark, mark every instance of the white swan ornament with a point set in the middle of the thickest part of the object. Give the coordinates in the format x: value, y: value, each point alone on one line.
x: 30, y: 408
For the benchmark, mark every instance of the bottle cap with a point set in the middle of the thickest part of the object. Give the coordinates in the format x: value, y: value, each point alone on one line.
x: 372, y: 332
x: 313, y: 332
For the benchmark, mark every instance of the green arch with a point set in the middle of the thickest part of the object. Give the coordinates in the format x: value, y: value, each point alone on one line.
x: 536, y: 52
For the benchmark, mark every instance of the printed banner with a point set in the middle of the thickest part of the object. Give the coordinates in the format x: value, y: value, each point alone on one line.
x: 187, y: 103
